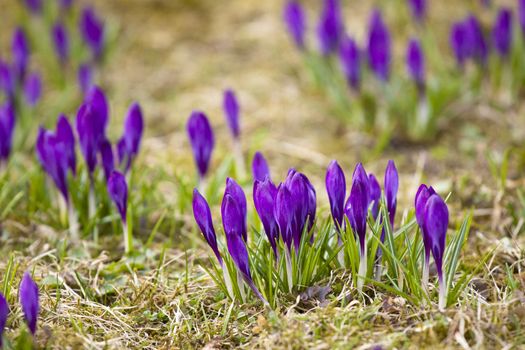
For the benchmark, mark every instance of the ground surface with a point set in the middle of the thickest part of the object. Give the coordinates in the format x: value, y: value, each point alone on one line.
x: 176, y: 56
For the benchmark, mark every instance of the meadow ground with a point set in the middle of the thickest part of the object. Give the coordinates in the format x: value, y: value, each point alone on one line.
x: 177, y: 56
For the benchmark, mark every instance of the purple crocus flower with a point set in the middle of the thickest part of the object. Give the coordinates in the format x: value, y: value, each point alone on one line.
x: 284, y: 214
x: 418, y: 9
x: 28, y: 294
x: 202, y: 215
x: 52, y: 154
x: 415, y: 61
x: 521, y: 15
x: 64, y: 132
x: 350, y: 59
x: 391, y: 188
x: 60, y: 41
x: 7, y: 82
x: 118, y: 192
x: 375, y: 195
x: 96, y: 98
x: 234, y: 190
x: 422, y: 195
x: 129, y: 143
x: 264, y: 198
x: 7, y: 128
x: 33, y: 89
x: 35, y: 6
x: 231, y: 110
x: 379, y: 46
x: 336, y: 188
x: 330, y: 27
x: 85, y: 77
x: 260, y: 168
x: 20, y: 52
x: 106, y: 155
x: 4, y: 312
x: 201, y: 139
x: 502, y: 32
x: 436, y: 223
x: 459, y: 42
x: 295, y: 21
x: 356, y: 207
x: 233, y: 223
x: 478, y: 47
x: 92, y: 30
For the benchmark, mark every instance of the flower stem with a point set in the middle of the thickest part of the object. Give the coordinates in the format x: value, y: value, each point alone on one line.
x: 442, y: 292
x: 239, y: 159
x: 227, y: 280
x: 424, y: 279
x: 362, y: 267
x: 92, y: 207
x: 240, y: 284
x: 73, y: 222
x: 128, y: 238
x: 288, y: 269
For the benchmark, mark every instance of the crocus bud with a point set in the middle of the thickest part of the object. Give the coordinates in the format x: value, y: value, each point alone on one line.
x: 28, y: 294
x: 418, y: 9
x: 7, y: 128
x: 379, y: 47
x: 129, y: 143
x: 118, y: 192
x: 202, y: 141
x: 295, y: 21
x: 7, y: 79
x: 336, y: 188
x: 4, y: 312
x: 85, y: 77
x: 33, y: 89
x: 357, y: 204
x: 86, y: 124
x: 106, y: 155
x: 264, y: 198
x: 458, y: 42
x: 521, y: 15
x: 96, y: 98
x: 20, y: 52
x: 202, y: 215
x: 235, y: 191
x: 231, y: 110
x: 375, y: 195
x: 422, y: 196
x: 260, y: 168
x: 284, y: 214
x: 92, y: 30
x: 502, y: 32
x: 330, y: 27
x: 34, y: 6
x: 415, y: 61
x: 391, y: 188
x: 52, y: 154
x: 60, y: 41
x: 478, y: 47
x: 350, y: 59
x: 303, y: 204
x: 65, y: 134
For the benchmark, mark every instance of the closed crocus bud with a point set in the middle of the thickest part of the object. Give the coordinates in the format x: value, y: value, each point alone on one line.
x: 65, y: 134
x: 478, y: 47
x: 52, y: 154
x: 92, y: 30
x: 311, y: 205
x: 459, y: 42
x: 330, y: 28
x: 85, y: 77
x: 129, y: 144
x: 336, y: 188
x: 502, y: 32
x: 20, y: 52
x: 118, y: 192
x: 415, y: 61
x: 202, y: 215
x: 7, y: 82
x: 350, y: 59
x: 60, y: 41
x: 391, y: 188
x: 106, y: 154
x: 235, y: 191
x: 201, y: 139
x: 300, y: 201
x: 28, y: 294
x: 98, y: 101
x: 358, y: 203
x: 422, y: 196
x: 86, y: 124
x: 260, y: 168
x: 264, y: 198
x: 521, y: 15
x: 231, y: 111
x: 33, y: 89
x: 284, y: 214
x: 375, y: 195
x: 7, y: 128
x: 295, y: 21
x: 418, y: 9
x: 379, y: 47
x: 34, y: 6
x: 4, y: 312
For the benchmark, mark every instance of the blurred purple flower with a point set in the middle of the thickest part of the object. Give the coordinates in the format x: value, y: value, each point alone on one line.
x: 264, y: 198
x: 477, y: 44
x: 295, y: 21
x: 502, y: 32
x: 379, y: 46
x: 33, y: 89
x: 336, y: 188
x: 521, y: 15
x: 7, y: 128
x: 92, y: 30
x: 375, y: 195
x: 7, y: 83
x: 202, y: 141
x: 350, y: 59
x: 418, y: 9
x: 65, y: 134
x: 118, y: 192
x: 52, y: 155
x: 65, y: 4
x: 129, y: 143
x: 202, y: 215
x: 231, y: 110
x: 330, y: 28
x: 60, y: 38
x: 106, y: 155
x: 20, y: 52
x: 28, y: 294
x: 260, y: 168
x: 415, y: 61
x: 4, y: 312
x: 85, y: 77
x: 459, y: 42
x: 34, y: 6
